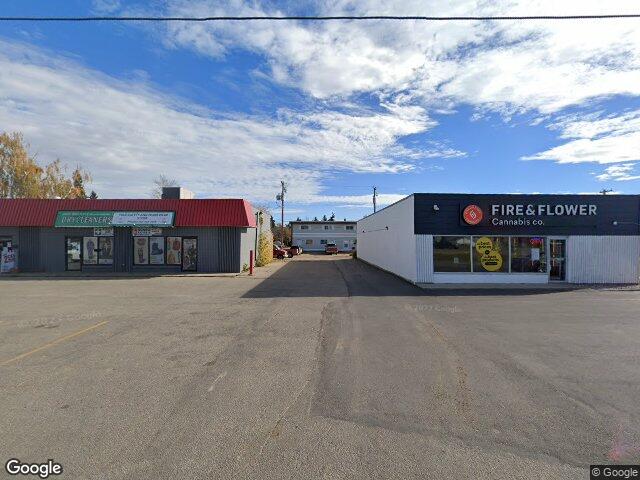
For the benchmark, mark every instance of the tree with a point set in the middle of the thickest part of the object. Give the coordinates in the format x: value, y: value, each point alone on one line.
x: 159, y: 183
x: 277, y: 232
x: 22, y: 177
x: 265, y: 249
x: 315, y: 219
x: 332, y: 217
x: 324, y: 218
x: 298, y: 219
x: 93, y: 195
x: 79, y: 177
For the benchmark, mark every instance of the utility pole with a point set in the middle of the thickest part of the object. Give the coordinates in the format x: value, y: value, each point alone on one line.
x: 280, y: 198
x: 604, y: 191
x: 375, y: 194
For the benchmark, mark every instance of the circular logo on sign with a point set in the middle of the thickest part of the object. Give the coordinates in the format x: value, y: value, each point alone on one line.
x: 472, y: 214
x: 491, y: 261
x: 484, y: 245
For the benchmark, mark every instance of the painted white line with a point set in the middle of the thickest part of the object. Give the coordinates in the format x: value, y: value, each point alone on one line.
x: 221, y: 376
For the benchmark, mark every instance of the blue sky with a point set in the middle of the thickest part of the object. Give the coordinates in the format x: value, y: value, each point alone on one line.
x: 332, y: 108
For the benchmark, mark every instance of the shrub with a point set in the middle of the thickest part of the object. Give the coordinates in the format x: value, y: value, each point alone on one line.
x: 265, y: 249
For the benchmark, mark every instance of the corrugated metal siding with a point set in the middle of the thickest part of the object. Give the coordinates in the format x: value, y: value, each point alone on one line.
x: 218, y: 249
x: 229, y: 250
x: 29, y: 249
x: 598, y: 259
x: 424, y: 251
x: 189, y: 213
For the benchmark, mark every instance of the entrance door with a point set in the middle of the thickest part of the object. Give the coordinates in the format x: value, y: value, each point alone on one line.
x: 558, y: 265
x: 74, y: 253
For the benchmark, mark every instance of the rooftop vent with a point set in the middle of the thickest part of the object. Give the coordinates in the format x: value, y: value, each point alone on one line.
x: 177, y: 193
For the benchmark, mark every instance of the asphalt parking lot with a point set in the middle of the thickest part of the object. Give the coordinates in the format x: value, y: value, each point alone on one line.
x: 317, y: 367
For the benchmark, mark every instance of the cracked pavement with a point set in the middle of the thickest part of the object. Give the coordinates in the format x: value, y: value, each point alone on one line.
x: 317, y: 367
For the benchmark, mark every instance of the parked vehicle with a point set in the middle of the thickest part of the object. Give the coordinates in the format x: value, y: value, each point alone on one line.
x: 331, y: 249
x: 279, y: 252
x: 295, y: 250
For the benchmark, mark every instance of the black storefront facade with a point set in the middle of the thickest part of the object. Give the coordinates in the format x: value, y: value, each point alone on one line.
x: 101, y: 236
x: 465, y: 238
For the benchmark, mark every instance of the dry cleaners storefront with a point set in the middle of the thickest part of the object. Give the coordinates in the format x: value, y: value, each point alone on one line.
x: 460, y: 238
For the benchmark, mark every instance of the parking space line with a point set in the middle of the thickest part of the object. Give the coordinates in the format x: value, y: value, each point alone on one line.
x: 55, y: 342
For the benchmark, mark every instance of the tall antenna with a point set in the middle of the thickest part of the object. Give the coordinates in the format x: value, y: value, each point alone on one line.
x: 375, y: 194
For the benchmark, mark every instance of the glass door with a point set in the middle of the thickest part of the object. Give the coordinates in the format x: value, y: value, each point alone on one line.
x: 74, y: 253
x: 558, y: 263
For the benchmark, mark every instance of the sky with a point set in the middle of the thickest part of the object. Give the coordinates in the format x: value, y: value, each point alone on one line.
x: 332, y: 108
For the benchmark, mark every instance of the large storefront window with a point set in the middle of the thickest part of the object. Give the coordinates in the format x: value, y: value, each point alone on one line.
x: 491, y: 254
x: 179, y: 251
x: 480, y: 254
x: 97, y: 250
x: 528, y: 254
x: 451, y: 254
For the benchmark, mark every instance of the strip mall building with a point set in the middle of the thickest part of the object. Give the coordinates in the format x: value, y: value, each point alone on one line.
x: 165, y: 235
x: 462, y: 238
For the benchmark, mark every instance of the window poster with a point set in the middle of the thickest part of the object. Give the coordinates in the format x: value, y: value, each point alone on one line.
x: 106, y: 250
x: 141, y: 250
x: 174, y: 250
x: 190, y: 254
x: 156, y: 254
x: 90, y: 250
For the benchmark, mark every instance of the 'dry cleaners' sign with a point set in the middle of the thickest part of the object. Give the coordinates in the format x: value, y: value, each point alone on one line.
x: 114, y: 219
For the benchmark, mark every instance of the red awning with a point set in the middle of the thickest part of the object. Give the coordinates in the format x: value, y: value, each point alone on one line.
x: 189, y: 213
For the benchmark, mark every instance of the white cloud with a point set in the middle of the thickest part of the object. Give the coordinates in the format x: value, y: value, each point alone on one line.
x: 358, y: 201
x: 593, y: 138
x: 503, y: 66
x: 126, y: 133
x: 619, y: 173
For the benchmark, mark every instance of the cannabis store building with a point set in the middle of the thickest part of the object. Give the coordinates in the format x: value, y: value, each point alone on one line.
x: 463, y: 238
x: 164, y: 235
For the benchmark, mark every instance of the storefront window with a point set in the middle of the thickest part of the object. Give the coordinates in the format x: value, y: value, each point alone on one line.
x: 528, y: 254
x: 491, y: 254
x: 141, y: 250
x: 90, y: 250
x: 156, y: 250
x: 105, y: 250
x: 174, y: 250
x: 451, y: 254
x: 190, y: 254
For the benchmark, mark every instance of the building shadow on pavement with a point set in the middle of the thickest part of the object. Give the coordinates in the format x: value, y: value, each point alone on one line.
x: 346, y: 277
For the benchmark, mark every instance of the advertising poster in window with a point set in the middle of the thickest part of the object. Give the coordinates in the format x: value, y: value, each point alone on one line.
x: 141, y: 250
x: 90, y: 253
x: 190, y: 254
x: 156, y: 254
x: 106, y: 250
x: 174, y: 250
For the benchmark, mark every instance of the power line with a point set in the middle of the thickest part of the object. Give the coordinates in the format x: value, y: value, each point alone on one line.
x: 320, y: 18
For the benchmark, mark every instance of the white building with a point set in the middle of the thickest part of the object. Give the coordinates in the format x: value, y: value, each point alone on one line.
x: 314, y: 235
x: 464, y: 238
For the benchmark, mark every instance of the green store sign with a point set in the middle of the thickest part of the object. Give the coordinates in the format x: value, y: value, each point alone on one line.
x: 114, y: 219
